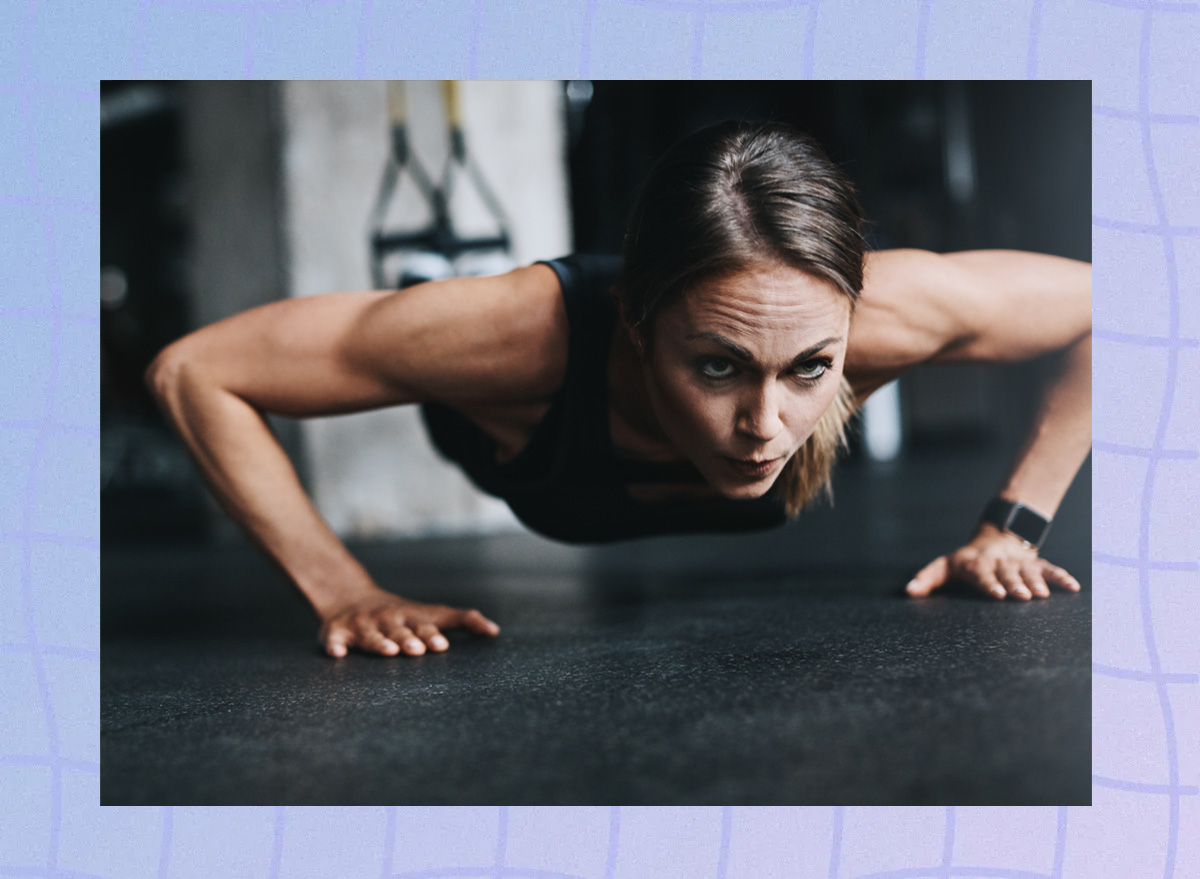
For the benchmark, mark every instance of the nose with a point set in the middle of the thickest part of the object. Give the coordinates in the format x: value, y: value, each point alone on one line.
x: 758, y: 413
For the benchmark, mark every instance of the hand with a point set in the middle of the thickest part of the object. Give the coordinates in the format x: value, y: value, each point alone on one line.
x: 998, y: 564
x: 380, y: 622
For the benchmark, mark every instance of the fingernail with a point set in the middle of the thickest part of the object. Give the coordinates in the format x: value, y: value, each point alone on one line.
x: 1021, y: 592
x: 439, y: 642
x: 998, y: 591
x: 911, y: 588
x: 414, y: 644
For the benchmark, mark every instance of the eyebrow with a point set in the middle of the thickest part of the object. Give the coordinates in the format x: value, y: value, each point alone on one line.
x: 744, y: 355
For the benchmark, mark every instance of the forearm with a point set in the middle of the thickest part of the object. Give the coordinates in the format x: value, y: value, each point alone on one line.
x: 253, y: 480
x: 1061, y: 435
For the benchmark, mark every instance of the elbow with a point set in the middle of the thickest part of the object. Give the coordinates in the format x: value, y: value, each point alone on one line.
x: 164, y: 370
x: 1084, y: 303
x: 155, y: 375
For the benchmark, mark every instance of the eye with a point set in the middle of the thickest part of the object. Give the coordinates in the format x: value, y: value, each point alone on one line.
x: 811, y: 370
x: 717, y: 368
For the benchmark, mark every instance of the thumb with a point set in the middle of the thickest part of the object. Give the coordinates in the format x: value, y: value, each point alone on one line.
x: 929, y: 577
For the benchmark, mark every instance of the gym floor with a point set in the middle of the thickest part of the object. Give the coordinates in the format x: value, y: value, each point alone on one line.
x: 784, y: 667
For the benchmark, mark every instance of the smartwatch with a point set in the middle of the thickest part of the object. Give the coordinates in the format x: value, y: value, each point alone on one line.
x: 1018, y: 519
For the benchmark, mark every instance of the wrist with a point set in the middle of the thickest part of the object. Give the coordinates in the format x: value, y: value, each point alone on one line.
x: 992, y: 535
x: 1017, y: 519
x: 328, y: 596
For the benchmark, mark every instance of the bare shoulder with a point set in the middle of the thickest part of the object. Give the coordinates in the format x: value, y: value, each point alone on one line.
x: 904, y: 317
x: 470, y: 341
x: 971, y: 306
x: 498, y: 341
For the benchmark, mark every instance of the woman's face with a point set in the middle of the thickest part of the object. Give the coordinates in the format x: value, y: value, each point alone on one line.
x: 742, y: 367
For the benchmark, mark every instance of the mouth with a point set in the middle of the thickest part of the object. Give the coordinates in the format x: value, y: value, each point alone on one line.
x: 754, y: 468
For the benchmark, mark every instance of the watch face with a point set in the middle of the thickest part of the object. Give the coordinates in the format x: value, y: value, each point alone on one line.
x: 1027, y: 524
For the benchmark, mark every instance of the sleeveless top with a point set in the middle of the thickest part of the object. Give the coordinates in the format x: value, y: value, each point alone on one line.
x: 568, y: 483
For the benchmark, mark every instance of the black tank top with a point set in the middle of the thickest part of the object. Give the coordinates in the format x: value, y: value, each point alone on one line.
x: 568, y: 483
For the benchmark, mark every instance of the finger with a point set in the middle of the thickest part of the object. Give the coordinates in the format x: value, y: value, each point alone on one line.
x: 393, y: 627
x: 1057, y: 576
x: 929, y: 577
x: 337, y: 642
x: 985, y: 579
x: 1032, y: 575
x: 429, y: 633
x: 474, y: 621
x: 375, y: 641
x: 413, y: 645
x: 1009, y: 573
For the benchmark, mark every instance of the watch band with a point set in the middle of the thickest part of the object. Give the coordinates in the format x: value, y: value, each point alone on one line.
x: 1018, y: 519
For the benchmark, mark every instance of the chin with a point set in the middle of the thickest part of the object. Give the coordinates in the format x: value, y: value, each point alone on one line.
x: 745, y: 491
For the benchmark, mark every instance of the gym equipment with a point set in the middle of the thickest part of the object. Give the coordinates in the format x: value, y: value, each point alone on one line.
x: 436, y: 251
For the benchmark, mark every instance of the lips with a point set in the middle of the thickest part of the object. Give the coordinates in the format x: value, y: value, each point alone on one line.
x: 751, y: 467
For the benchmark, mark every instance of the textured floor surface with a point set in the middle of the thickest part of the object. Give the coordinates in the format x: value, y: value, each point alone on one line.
x: 784, y: 667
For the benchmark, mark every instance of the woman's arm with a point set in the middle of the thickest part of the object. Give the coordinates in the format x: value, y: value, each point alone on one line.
x: 342, y: 353
x: 991, y: 306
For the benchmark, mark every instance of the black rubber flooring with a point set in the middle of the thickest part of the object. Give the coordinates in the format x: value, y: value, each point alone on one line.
x: 782, y: 667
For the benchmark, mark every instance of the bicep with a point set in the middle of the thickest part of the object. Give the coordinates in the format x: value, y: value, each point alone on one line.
x: 346, y: 352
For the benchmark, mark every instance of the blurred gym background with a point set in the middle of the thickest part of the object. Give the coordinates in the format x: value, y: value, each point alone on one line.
x: 219, y: 196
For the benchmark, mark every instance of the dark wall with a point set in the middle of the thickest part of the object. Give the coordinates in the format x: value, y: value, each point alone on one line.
x: 1030, y: 141
x: 148, y: 487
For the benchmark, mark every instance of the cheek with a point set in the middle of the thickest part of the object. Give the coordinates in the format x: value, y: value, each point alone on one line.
x: 708, y: 415
x: 688, y: 411
x: 810, y: 405
x: 807, y: 407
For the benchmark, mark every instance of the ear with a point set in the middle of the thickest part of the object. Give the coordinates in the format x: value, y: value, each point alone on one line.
x: 631, y: 332
x: 639, y: 344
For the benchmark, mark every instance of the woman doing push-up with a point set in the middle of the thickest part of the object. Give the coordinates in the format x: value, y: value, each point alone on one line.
x: 700, y: 382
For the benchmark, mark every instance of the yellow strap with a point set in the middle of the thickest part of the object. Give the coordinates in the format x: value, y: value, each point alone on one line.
x: 396, y: 104
x: 453, y: 113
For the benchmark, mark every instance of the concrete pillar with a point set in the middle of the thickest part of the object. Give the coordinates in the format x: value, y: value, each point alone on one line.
x: 231, y: 148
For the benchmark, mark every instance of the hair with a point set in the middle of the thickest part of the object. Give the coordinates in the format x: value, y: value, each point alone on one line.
x: 735, y: 196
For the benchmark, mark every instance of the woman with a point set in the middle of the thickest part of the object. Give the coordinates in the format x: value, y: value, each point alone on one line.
x: 701, y: 382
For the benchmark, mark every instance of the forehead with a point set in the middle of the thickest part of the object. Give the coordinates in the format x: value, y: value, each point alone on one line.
x: 775, y: 300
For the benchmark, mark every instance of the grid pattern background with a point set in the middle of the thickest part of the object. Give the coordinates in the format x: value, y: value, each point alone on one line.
x: 1145, y: 818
